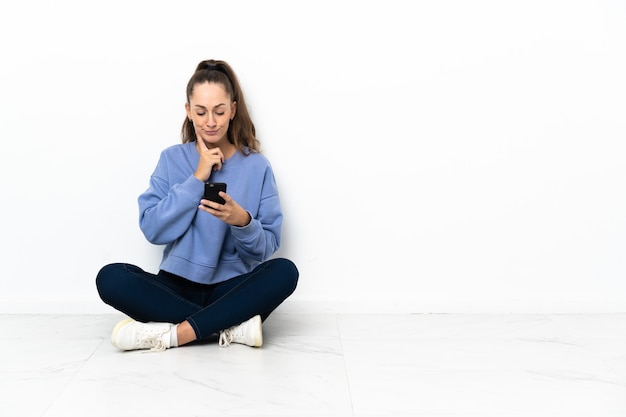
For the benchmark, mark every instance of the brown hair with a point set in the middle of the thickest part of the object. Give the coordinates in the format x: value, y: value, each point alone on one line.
x: 241, y: 131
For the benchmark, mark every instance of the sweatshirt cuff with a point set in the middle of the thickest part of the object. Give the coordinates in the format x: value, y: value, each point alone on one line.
x: 243, y: 232
x: 194, y: 187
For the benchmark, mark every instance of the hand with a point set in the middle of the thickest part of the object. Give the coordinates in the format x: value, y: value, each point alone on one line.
x: 229, y: 212
x: 210, y: 160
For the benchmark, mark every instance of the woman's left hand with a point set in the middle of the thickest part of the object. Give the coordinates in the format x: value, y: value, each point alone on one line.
x: 229, y: 212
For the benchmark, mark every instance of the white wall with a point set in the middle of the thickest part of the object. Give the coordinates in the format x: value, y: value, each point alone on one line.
x: 432, y: 156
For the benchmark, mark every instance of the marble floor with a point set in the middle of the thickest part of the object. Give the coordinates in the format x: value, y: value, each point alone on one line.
x: 324, y: 365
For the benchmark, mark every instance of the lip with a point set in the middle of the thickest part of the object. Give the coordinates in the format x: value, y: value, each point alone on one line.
x: 210, y: 132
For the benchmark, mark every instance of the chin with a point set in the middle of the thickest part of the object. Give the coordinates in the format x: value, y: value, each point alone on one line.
x: 211, y: 141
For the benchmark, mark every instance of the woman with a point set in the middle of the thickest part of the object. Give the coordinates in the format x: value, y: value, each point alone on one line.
x: 215, y: 275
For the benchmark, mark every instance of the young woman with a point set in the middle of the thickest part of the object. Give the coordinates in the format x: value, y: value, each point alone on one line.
x: 216, y: 275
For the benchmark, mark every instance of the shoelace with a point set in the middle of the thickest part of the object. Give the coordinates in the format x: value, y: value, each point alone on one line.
x: 226, y: 338
x: 154, y: 342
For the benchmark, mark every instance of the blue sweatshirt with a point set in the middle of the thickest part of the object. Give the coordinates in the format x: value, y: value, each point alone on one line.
x: 199, y: 246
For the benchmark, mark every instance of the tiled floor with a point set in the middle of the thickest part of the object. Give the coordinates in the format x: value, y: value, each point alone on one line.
x: 324, y: 365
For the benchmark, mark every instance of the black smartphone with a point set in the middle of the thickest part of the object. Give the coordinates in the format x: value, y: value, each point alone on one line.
x: 211, y: 190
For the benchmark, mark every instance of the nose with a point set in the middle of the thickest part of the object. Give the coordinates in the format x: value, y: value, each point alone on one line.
x: 210, y: 120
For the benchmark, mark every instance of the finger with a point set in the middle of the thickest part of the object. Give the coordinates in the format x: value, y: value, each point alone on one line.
x: 202, y: 145
x: 205, y: 203
x: 226, y: 197
x: 217, y: 159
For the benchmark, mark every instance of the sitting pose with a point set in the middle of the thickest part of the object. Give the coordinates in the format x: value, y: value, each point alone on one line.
x: 216, y: 275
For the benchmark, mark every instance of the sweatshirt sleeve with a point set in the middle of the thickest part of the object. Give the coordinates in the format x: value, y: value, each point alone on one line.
x: 167, y: 210
x: 260, y: 238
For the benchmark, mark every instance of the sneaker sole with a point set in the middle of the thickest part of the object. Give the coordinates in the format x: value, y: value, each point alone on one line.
x: 258, y: 341
x: 117, y: 329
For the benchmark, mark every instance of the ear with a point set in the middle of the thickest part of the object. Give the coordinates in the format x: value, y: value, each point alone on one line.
x: 233, y: 110
x: 188, y: 110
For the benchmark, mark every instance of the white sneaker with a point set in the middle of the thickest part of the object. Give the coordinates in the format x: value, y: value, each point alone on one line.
x: 247, y: 333
x: 130, y: 335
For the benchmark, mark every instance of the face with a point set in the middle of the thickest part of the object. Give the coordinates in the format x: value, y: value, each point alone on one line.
x: 211, y: 110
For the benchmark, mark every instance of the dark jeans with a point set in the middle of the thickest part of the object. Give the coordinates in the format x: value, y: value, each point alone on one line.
x: 208, y: 308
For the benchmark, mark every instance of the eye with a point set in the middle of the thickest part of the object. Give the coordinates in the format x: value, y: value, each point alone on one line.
x: 200, y: 114
x: 219, y: 114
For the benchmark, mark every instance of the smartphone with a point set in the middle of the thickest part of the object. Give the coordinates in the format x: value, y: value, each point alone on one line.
x: 211, y: 190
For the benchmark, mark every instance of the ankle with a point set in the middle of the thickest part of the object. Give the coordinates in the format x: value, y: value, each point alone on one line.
x: 185, y: 333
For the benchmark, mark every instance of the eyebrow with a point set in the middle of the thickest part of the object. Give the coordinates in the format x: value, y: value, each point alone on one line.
x: 202, y: 107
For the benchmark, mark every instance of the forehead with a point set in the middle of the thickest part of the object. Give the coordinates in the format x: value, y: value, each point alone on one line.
x: 209, y: 94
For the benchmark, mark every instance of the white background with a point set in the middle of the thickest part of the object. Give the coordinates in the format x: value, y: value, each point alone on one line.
x: 432, y: 156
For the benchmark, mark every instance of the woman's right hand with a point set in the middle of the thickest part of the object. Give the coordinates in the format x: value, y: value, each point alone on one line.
x: 211, y: 159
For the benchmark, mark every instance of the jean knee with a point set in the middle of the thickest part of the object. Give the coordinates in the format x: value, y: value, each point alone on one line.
x: 106, y: 280
x: 289, y: 273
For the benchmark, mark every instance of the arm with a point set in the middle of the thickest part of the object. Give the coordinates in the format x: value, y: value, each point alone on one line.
x: 260, y: 238
x: 168, y: 207
x: 257, y: 229
x: 167, y: 212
